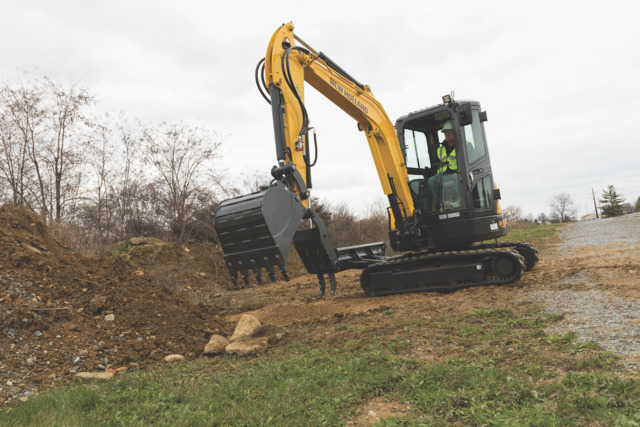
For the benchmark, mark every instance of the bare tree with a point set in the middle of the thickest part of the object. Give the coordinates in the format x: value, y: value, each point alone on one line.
x: 66, y: 117
x: 183, y: 157
x: 24, y: 117
x: 14, y: 164
x: 512, y: 214
x: 561, y: 205
x: 40, y: 119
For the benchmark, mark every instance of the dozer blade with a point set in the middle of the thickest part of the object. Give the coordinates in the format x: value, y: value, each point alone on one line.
x: 256, y: 231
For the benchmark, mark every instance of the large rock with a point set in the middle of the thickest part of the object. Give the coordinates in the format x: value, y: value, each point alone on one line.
x: 216, y: 345
x: 247, y: 348
x: 247, y: 326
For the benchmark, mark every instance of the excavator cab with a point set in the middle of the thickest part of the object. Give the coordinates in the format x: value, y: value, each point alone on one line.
x: 456, y: 203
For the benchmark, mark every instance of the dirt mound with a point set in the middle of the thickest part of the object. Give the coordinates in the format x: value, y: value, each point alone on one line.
x: 62, y: 312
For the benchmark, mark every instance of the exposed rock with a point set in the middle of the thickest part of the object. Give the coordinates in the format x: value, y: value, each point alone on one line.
x: 94, y: 375
x: 247, y: 348
x: 97, y: 304
x: 247, y: 326
x: 216, y: 345
x: 173, y: 358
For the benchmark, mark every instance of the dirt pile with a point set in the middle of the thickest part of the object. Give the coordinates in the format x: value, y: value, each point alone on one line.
x: 63, y: 313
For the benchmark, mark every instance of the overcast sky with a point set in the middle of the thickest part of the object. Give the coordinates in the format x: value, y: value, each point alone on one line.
x: 560, y: 81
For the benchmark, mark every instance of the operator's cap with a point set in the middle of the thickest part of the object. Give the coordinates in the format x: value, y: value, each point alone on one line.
x: 447, y: 126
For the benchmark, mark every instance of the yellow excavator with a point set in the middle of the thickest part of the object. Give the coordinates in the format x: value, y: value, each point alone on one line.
x: 443, y: 202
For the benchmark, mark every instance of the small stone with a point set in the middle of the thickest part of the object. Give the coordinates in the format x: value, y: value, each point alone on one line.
x: 12, y: 333
x: 38, y: 333
x: 173, y: 358
x: 97, y: 303
x: 246, y: 348
x: 110, y: 317
x: 31, y: 361
x: 76, y: 360
x: 101, y: 366
x: 29, y: 394
x: 95, y: 375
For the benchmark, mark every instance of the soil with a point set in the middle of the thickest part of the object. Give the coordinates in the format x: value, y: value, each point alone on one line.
x: 63, y: 313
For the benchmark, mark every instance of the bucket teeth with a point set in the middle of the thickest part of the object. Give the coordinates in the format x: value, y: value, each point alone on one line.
x: 256, y: 271
x: 283, y: 268
x: 322, y: 283
x: 233, y: 272
x: 270, y: 271
x: 256, y: 231
x: 244, y: 274
x: 334, y: 283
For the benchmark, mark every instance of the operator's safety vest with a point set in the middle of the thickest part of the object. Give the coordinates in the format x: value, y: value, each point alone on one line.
x: 449, y: 161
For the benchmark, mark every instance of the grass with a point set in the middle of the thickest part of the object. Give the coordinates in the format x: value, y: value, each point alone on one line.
x: 506, y: 374
x: 530, y: 233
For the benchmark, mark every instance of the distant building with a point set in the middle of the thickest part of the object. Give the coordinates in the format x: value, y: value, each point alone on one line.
x: 588, y: 217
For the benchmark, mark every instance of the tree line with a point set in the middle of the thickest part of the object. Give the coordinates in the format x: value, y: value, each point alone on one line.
x: 104, y: 177
x: 97, y: 178
x: 563, y: 209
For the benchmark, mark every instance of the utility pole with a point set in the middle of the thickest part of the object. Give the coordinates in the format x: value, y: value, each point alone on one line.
x: 594, y: 203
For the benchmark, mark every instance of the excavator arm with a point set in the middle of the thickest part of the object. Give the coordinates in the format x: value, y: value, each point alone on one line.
x: 287, y: 67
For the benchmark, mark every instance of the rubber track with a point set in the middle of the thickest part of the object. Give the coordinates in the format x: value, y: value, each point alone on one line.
x: 528, y: 247
x: 420, y: 260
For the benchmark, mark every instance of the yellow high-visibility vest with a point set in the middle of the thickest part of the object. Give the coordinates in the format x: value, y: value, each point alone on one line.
x: 447, y: 161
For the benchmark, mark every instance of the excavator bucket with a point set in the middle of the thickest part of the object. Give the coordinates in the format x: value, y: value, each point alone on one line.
x: 256, y: 231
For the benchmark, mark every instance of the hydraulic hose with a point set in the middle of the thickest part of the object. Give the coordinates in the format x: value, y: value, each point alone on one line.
x: 287, y: 77
x: 260, y: 71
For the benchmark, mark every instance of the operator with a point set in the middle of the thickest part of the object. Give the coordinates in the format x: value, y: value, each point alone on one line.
x: 444, y: 171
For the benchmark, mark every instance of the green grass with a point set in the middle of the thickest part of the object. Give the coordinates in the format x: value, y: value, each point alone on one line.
x: 530, y: 233
x: 505, y: 372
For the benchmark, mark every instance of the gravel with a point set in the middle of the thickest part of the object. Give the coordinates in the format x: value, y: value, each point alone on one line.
x: 624, y: 230
x: 590, y: 310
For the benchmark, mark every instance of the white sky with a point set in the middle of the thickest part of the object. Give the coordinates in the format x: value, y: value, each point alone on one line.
x: 560, y: 80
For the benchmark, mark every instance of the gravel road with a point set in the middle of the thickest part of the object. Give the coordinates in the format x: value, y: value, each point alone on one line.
x: 595, y: 284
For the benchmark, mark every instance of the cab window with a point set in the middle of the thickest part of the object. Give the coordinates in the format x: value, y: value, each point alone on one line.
x: 476, y: 147
x: 416, y: 148
x: 482, y: 197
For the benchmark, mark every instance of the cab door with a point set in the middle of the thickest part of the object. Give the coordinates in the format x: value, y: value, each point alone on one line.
x: 478, y: 178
